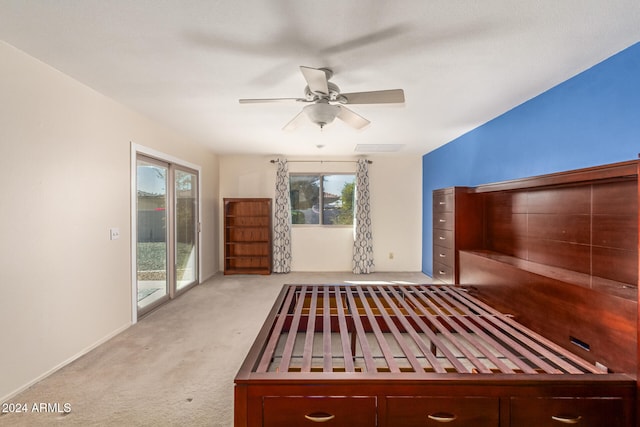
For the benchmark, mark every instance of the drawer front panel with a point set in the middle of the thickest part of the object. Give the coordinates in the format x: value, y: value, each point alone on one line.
x: 443, y: 255
x: 325, y: 411
x: 443, y: 238
x: 442, y: 272
x: 585, y: 412
x: 443, y: 201
x: 439, y: 411
x: 443, y: 220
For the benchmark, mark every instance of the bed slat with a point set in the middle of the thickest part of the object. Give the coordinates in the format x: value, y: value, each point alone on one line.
x: 433, y: 360
x: 344, y: 333
x: 307, y: 353
x: 448, y: 317
x: 327, y: 356
x: 404, y: 328
x: 478, y: 339
x: 488, y: 322
x: 394, y: 330
x: 382, y: 342
x: 269, y: 351
x: 360, y: 334
x: 533, y: 337
x: 293, y: 332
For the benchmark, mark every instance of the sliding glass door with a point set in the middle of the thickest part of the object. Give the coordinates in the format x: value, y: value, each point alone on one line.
x: 153, y: 235
x: 167, y: 226
x: 186, y: 236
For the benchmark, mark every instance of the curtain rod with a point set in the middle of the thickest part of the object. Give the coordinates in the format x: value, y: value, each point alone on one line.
x: 322, y: 161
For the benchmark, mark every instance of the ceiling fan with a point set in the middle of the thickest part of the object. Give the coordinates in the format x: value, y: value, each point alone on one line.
x: 326, y: 102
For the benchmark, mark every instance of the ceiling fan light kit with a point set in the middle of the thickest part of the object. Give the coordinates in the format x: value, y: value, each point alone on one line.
x: 322, y: 97
x: 321, y: 113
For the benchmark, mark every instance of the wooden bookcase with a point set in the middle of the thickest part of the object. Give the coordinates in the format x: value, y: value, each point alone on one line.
x: 247, y: 236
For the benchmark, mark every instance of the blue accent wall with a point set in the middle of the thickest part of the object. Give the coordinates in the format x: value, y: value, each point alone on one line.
x: 588, y: 120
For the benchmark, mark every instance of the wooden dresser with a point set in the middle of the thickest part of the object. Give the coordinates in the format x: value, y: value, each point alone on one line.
x: 457, y: 224
x: 247, y: 236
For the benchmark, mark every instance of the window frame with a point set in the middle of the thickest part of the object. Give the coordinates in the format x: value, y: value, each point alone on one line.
x: 321, y: 176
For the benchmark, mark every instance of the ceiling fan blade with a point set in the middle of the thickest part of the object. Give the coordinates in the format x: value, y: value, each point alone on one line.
x: 351, y: 118
x: 293, y: 124
x: 371, y: 38
x: 316, y: 79
x: 390, y: 96
x: 261, y: 100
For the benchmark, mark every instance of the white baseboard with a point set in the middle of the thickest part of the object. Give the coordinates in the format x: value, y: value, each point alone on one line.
x: 65, y: 363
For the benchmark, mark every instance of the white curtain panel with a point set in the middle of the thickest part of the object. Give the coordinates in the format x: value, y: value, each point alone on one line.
x: 363, y: 242
x: 282, y: 221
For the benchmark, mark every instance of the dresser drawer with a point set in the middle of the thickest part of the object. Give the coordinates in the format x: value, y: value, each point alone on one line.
x: 442, y: 272
x: 443, y: 238
x: 559, y: 411
x: 439, y: 411
x: 443, y: 220
x: 443, y: 200
x: 327, y: 411
x: 444, y: 256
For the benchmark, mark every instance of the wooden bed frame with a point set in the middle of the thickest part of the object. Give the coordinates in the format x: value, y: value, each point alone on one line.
x: 404, y: 355
x: 543, y: 275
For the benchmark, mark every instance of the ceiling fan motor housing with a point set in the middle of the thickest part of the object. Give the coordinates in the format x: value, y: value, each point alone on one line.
x: 334, y: 93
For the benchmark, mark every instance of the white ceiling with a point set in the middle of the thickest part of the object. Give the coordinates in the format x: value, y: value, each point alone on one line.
x: 186, y: 63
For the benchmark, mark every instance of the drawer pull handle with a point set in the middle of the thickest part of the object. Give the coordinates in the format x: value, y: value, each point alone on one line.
x: 319, y: 417
x: 442, y: 238
x: 442, y: 203
x: 566, y: 419
x: 442, y: 417
x: 442, y: 255
x: 442, y: 220
x: 442, y: 272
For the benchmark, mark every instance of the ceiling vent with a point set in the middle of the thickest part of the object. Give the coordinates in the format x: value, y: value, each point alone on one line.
x: 378, y: 148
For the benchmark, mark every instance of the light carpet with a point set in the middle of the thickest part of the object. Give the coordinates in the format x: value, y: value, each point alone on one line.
x: 176, y: 366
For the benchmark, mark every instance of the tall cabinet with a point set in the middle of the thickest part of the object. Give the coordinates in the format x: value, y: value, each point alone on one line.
x: 247, y: 236
x: 457, y: 224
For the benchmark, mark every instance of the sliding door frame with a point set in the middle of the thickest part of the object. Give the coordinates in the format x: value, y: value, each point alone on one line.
x: 137, y: 149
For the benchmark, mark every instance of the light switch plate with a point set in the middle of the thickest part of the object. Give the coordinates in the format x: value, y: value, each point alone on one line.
x: 114, y: 233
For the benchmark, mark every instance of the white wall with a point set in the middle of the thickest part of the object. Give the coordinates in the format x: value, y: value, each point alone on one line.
x: 396, y: 201
x: 65, y: 180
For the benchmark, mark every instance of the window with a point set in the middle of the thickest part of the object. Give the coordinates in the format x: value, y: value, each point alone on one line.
x: 322, y: 199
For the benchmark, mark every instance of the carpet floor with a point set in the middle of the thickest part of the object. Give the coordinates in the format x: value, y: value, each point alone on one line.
x: 176, y: 366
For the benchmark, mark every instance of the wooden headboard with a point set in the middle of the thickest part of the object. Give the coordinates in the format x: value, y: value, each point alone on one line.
x: 560, y: 253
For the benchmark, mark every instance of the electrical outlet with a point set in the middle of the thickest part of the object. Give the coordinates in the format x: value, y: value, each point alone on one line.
x: 114, y: 233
